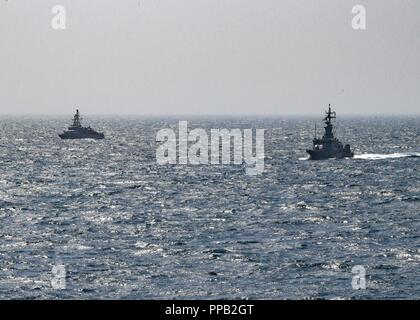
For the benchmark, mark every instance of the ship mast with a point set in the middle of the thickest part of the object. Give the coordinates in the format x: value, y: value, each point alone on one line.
x: 329, y: 127
x: 329, y: 115
x: 76, y: 119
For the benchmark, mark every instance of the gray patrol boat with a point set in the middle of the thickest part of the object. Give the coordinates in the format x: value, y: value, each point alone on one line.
x: 329, y: 146
x: 76, y: 131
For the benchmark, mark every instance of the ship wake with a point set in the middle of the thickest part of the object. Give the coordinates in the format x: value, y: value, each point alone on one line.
x: 375, y: 156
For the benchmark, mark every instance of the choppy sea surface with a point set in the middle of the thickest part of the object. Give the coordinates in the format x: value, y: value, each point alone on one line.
x: 125, y: 227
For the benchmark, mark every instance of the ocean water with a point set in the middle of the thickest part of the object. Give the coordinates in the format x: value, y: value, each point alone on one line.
x: 124, y: 227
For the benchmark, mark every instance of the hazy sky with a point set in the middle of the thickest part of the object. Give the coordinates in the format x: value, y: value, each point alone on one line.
x: 209, y: 57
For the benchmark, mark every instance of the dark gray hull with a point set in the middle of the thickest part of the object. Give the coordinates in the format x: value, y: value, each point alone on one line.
x: 81, y: 134
x: 321, y: 155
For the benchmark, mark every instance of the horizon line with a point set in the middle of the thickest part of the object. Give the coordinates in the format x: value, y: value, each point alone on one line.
x: 171, y: 115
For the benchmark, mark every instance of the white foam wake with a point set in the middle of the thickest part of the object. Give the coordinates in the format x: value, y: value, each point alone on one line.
x: 374, y: 156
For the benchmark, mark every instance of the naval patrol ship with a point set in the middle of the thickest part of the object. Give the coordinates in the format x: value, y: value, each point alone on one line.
x: 76, y: 131
x: 329, y: 146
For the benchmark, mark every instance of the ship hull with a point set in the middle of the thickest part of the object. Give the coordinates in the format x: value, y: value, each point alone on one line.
x: 319, y: 155
x: 69, y: 135
x: 64, y: 137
